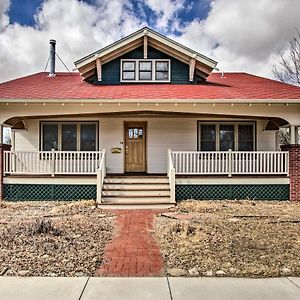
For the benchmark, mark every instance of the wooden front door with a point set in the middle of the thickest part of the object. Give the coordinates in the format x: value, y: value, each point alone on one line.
x: 135, y: 146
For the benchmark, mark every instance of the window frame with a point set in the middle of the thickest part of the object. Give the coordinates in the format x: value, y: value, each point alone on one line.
x: 153, y: 70
x: 236, y: 138
x: 78, y: 133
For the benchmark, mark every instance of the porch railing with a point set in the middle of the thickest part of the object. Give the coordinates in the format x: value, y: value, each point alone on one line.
x: 171, y: 176
x: 52, y: 162
x: 101, y: 173
x: 231, y: 162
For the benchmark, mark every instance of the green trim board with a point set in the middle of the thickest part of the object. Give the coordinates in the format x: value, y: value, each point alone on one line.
x: 232, y: 191
x: 49, y: 192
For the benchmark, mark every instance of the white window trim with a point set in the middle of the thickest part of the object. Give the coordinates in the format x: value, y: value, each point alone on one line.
x: 136, y: 71
x: 236, y: 138
x: 60, y: 123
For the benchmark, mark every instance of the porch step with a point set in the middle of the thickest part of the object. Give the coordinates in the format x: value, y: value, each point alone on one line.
x: 135, y: 180
x: 136, y: 186
x: 136, y: 200
x: 136, y: 191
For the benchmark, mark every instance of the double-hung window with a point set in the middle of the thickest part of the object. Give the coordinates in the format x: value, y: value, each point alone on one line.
x: 145, y: 70
x: 69, y: 136
x: 222, y: 136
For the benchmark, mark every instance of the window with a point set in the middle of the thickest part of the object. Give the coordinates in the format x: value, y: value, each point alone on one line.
x: 208, y: 137
x: 161, y: 70
x: 145, y: 70
x: 223, y: 136
x: 50, y: 137
x: 245, y: 135
x: 128, y: 70
x: 69, y: 136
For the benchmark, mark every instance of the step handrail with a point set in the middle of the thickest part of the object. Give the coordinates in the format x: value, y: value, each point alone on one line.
x: 171, y: 176
x: 101, y: 173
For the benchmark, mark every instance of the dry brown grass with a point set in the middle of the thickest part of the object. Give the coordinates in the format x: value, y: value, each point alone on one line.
x: 52, y: 238
x: 242, y: 238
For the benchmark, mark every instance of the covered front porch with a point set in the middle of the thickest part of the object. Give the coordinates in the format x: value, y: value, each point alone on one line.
x: 193, y: 151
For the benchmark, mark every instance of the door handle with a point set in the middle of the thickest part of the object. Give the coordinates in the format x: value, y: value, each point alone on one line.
x: 126, y: 150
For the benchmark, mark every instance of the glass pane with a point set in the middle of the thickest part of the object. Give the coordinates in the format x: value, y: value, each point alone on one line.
x: 50, y: 137
x: 208, y: 146
x: 145, y: 76
x: 88, y: 137
x: 226, y: 137
x: 69, y: 137
x: 208, y: 137
x: 130, y: 133
x: 135, y: 133
x: 208, y: 132
x: 140, y: 132
x: 162, y: 66
x: 161, y: 76
x: 128, y: 75
x: 145, y: 66
x: 128, y: 66
x: 245, y: 133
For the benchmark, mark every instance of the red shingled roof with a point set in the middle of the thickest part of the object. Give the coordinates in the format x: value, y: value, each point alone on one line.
x: 71, y: 86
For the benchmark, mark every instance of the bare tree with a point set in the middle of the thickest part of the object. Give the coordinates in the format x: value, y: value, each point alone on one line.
x: 287, y: 69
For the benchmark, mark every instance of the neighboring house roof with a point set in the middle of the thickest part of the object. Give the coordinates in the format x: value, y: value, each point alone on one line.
x: 87, y: 64
x: 71, y: 86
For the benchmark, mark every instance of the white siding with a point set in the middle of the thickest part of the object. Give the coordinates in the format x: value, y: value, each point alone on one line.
x: 162, y: 134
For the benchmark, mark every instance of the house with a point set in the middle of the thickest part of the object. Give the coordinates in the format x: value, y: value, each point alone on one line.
x: 147, y: 120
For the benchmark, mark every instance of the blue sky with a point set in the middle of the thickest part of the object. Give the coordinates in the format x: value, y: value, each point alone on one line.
x: 23, y: 11
x: 242, y: 36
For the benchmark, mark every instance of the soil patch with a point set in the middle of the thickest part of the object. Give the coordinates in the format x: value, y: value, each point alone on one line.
x: 53, y: 238
x: 231, y: 238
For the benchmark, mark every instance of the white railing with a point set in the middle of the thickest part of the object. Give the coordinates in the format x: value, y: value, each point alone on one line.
x: 231, y: 162
x: 171, y: 176
x: 52, y: 162
x: 101, y: 173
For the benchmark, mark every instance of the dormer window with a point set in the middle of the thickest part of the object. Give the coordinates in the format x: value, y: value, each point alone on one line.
x: 145, y: 70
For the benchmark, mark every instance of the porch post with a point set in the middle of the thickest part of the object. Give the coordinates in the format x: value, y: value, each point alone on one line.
x: 294, y: 170
x: 3, y: 148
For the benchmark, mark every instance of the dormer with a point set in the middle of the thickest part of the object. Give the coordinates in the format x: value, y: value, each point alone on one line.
x: 145, y: 57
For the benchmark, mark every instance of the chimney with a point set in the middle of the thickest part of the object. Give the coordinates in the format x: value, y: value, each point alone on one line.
x: 52, y: 58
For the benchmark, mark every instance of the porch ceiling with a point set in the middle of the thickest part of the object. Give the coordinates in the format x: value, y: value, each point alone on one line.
x: 273, y: 122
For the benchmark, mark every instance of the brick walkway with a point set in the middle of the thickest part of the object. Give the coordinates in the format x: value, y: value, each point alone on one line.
x: 134, y: 251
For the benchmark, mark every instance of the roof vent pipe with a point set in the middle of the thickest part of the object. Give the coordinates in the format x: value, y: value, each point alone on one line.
x: 52, y: 58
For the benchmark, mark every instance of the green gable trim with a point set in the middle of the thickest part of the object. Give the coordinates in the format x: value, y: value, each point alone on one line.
x: 111, y: 70
x: 231, y: 192
x: 44, y: 192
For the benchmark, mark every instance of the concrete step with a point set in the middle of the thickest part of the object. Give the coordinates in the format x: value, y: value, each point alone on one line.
x: 135, y: 200
x: 136, y: 186
x: 134, y: 180
x: 136, y: 206
x: 136, y: 193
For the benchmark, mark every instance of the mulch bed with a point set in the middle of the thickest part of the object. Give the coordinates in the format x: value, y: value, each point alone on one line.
x: 52, y: 238
x: 231, y: 238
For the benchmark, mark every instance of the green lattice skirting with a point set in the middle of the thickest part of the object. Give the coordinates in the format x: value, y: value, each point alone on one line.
x: 66, y: 192
x: 231, y: 192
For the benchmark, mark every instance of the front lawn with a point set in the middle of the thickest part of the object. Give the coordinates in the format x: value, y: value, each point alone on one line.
x: 231, y: 238
x: 52, y: 238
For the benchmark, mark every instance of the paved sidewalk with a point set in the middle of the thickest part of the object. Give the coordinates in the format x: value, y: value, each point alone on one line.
x: 148, y: 288
x: 134, y: 251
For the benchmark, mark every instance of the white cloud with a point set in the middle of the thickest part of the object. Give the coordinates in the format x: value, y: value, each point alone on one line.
x: 165, y: 10
x: 245, y: 35
x: 79, y: 29
x: 4, y: 5
x: 240, y: 35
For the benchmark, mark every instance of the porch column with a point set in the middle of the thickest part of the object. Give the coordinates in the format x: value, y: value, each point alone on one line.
x: 294, y: 170
x: 3, y: 147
